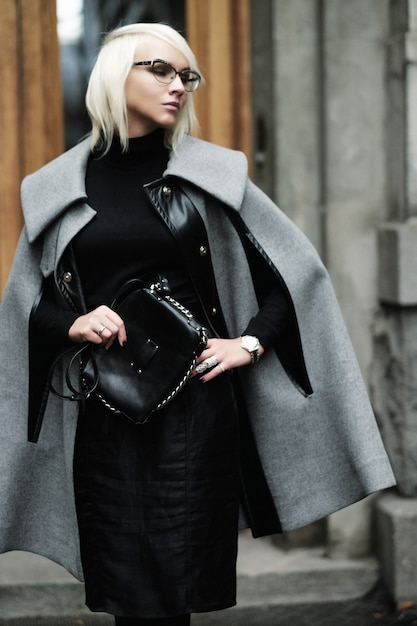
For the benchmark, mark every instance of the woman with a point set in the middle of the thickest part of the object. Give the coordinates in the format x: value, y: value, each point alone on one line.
x: 274, y: 426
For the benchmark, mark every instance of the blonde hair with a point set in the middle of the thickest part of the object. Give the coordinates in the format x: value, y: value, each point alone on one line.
x: 105, y: 97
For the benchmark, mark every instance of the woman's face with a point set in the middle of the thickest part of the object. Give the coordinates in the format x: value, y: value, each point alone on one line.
x: 150, y: 103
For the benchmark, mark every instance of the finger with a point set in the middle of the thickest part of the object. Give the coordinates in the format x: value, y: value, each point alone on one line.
x: 203, y: 356
x: 208, y: 363
x: 210, y: 375
x: 109, y: 342
x: 218, y: 370
x: 113, y: 317
x: 122, y: 335
x: 112, y: 332
x: 115, y: 331
x: 209, y: 349
x: 103, y: 331
x: 110, y: 324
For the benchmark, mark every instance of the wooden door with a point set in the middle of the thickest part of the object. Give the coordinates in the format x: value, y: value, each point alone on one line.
x: 30, y: 107
x: 218, y: 33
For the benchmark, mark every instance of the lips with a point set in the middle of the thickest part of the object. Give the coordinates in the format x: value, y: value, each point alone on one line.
x: 173, y: 105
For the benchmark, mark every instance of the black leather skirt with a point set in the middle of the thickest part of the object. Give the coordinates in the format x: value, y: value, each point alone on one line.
x: 158, y: 504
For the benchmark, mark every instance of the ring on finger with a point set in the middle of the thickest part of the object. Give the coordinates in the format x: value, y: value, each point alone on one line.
x: 206, y: 364
x: 201, y: 367
x: 101, y: 331
x: 221, y: 367
x: 211, y: 362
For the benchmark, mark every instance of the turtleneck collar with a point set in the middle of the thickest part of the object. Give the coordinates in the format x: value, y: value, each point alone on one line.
x: 146, y: 148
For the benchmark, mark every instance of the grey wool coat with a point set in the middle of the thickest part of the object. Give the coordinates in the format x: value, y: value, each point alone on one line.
x: 319, y: 452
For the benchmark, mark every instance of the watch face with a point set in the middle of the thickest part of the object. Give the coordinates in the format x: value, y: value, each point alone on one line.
x: 250, y: 343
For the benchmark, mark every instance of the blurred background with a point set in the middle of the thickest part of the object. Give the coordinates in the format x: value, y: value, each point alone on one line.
x: 321, y: 96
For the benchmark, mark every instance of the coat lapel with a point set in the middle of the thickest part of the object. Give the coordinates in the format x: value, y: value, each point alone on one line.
x: 220, y: 172
x: 47, y: 193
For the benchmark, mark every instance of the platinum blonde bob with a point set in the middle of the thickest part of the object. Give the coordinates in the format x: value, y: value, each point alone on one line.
x: 105, y: 97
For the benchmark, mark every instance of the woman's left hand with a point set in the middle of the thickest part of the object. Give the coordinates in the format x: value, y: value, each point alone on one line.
x: 226, y: 354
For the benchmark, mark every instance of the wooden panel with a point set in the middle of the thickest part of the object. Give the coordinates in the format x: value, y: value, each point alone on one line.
x: 41, y: 83
x: 31, y: 126
x: 218, y: 33
x: 10, y: 173
x: 241, y: 56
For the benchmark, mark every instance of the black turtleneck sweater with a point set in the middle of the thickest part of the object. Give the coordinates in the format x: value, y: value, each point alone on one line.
x: 128, y: 239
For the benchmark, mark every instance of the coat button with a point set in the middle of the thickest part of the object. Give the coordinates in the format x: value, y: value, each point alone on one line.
x: 214, y: 311
x: 203, y: 250
x: 166, y: 190
x: 67, y: 277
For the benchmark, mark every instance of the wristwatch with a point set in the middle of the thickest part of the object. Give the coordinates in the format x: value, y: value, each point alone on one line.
x: 251, y: 344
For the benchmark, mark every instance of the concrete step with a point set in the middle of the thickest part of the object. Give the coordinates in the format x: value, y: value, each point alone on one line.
x: 271, y: 582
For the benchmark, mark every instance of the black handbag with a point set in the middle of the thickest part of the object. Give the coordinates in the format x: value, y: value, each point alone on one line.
x: 164, y: 341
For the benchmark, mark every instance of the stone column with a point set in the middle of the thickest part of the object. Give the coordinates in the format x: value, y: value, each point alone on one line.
x: 319, y: 100
x: 395, y: 333
x: 354, y: 116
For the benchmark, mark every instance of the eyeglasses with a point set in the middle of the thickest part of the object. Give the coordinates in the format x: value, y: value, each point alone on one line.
x: 165, y: 73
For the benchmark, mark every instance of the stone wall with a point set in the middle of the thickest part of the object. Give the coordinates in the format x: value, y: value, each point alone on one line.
x: 335, y: 144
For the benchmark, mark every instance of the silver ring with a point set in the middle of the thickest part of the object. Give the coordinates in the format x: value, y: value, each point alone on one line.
x: 221, y: 367
x: 201, y: 367
x: 101, y: 331
x: 206, y: 364
x: 211, y: 362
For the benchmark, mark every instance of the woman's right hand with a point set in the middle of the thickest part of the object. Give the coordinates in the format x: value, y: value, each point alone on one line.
x: 100, y: 326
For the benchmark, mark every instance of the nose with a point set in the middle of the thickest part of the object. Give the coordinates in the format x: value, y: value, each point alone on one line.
x: 177, y: 85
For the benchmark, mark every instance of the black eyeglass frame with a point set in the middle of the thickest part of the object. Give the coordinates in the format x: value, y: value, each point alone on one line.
x: 193, y: 82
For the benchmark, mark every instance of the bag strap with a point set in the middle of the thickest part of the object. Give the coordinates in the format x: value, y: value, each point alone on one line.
x: 154, y: 281
x: 77, y: 394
